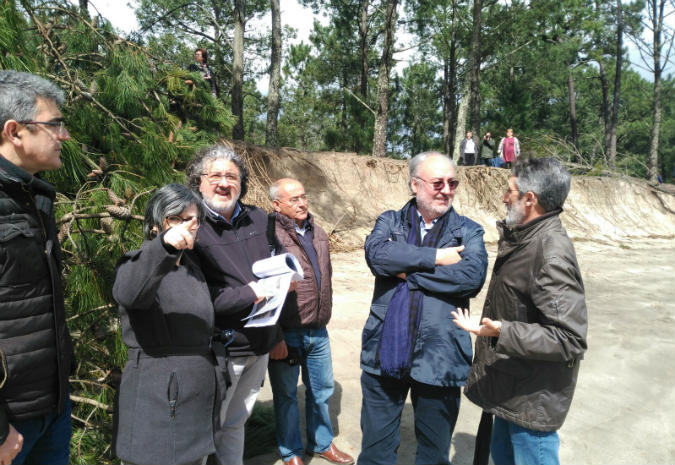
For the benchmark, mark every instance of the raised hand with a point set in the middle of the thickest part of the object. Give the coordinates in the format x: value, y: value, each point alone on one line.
x: 488, y: 327
x: 182, y: 236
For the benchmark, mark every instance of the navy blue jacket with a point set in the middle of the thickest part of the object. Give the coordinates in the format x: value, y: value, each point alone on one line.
x: 442, y: 353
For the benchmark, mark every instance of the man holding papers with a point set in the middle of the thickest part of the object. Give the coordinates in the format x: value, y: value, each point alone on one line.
x: 303, y: 319
x: 232, y: 238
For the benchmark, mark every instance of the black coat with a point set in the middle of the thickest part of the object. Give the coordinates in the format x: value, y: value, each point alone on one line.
x: 168, y: 389
x: 35, y: 347
x: 227, y: 253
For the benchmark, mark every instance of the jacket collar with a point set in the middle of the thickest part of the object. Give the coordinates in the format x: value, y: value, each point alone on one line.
x: 514, y: 235
x: 218, y: 219
x: 289, y: 223
x: 454, y: 220
x: 13, y: 174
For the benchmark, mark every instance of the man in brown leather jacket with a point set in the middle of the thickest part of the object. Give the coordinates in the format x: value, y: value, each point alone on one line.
x: 304, y: 318
x: 532, y: 333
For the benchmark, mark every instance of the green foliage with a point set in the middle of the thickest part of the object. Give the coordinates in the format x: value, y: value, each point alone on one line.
x: 134, y: 124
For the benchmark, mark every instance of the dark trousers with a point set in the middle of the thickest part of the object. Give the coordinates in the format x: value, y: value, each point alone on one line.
x: 469, y: 159
x: 435, y: 408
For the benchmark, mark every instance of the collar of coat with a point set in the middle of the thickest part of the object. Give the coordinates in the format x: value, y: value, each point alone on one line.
x: 10, y: 173
x: 454, y: 220
x: 288, y: 223
x: 219, y: 221
x: 511, y: 236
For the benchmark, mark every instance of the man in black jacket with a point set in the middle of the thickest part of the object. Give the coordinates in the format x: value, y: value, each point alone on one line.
x: 35, y: 347
x: 232, y: 238
x: 532, y: 333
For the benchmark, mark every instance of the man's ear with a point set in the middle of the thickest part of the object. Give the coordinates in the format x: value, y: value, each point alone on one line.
x: 531, y: 199
x: 154, y: 231
x: 10, y: 132
x: 275, y: 205
x: 413, y: 186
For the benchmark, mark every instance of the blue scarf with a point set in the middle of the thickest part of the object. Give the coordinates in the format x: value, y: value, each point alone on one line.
x: 402, y: 320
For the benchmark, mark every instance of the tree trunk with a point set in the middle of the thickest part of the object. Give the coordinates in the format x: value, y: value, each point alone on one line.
x: 657, y: 8
x: 602, y: 74
x: 573, y: 115
x: 238, y: 69
x: 84, y: 8
x: 611, y: 150
x: 363, y: 47
x: 275, y: 77
x: 474, y: 60
x: 461, y: 118
x: 449, y: 89
x: 380, y: 127
x: 363, y: 78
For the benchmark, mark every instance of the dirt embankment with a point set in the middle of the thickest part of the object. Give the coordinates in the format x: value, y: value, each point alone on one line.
x: 348, y: 192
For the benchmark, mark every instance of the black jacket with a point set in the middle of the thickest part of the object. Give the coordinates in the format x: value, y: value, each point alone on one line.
x: 168, y: 389
x: 35, y: 347
x: 227, y: 253
x: 527, y: 375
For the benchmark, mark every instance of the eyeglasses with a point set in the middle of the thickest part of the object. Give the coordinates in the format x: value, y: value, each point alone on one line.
x: 175, y: 220
x: 293, y: 201
x: 216, y: 178
x: 59, y: 124
x: 508, y: 191
x: 439, y: 184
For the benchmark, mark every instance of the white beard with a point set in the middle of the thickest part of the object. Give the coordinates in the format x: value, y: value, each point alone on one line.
x: 515, y: 213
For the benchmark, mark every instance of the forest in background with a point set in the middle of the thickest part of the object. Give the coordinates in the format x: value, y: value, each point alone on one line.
x: 546, y: 68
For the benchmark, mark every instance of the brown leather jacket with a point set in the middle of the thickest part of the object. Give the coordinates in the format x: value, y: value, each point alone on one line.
x: 527, y: 375
x: 307, y: 306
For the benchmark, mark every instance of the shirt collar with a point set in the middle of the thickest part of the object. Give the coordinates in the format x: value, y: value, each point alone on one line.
x: 423, y: 224
x: 237, y: 211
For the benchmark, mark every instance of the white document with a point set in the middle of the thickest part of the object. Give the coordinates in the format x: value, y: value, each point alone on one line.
x: 276, y: 274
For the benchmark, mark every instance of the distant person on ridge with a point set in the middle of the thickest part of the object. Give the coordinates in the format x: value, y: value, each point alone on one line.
x: 487, y: 149
x: 200, y: 65
x: 509, y: 148
x: 468, y: 150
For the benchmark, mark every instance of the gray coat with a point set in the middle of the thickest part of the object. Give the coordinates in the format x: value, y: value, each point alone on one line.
x: 527, y: 375
x: 168, y: 389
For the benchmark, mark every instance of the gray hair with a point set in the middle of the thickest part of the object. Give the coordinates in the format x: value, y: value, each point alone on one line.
x: 546, y: 177
x: 19, y: 93
x: 207, y: 156
x: 417, y: 160
x: 171, y: 199
x: 274, y: 188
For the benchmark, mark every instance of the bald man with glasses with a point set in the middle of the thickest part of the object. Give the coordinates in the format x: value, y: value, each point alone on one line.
x: 427, y: 261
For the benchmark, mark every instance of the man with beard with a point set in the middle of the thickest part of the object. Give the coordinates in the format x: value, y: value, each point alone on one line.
x: 427, y: 261
x: 532, y: 333
x: 233, y: 237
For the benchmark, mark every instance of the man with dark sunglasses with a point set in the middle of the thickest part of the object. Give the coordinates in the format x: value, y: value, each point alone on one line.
x: 35, y: 346
x: 427, y: 261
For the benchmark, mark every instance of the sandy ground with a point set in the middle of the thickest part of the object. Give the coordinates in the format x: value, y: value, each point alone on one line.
x: 623, y: 410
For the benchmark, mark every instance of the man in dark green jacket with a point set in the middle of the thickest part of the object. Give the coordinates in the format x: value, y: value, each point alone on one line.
x: 532, y: 333
x: 35, y: 347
